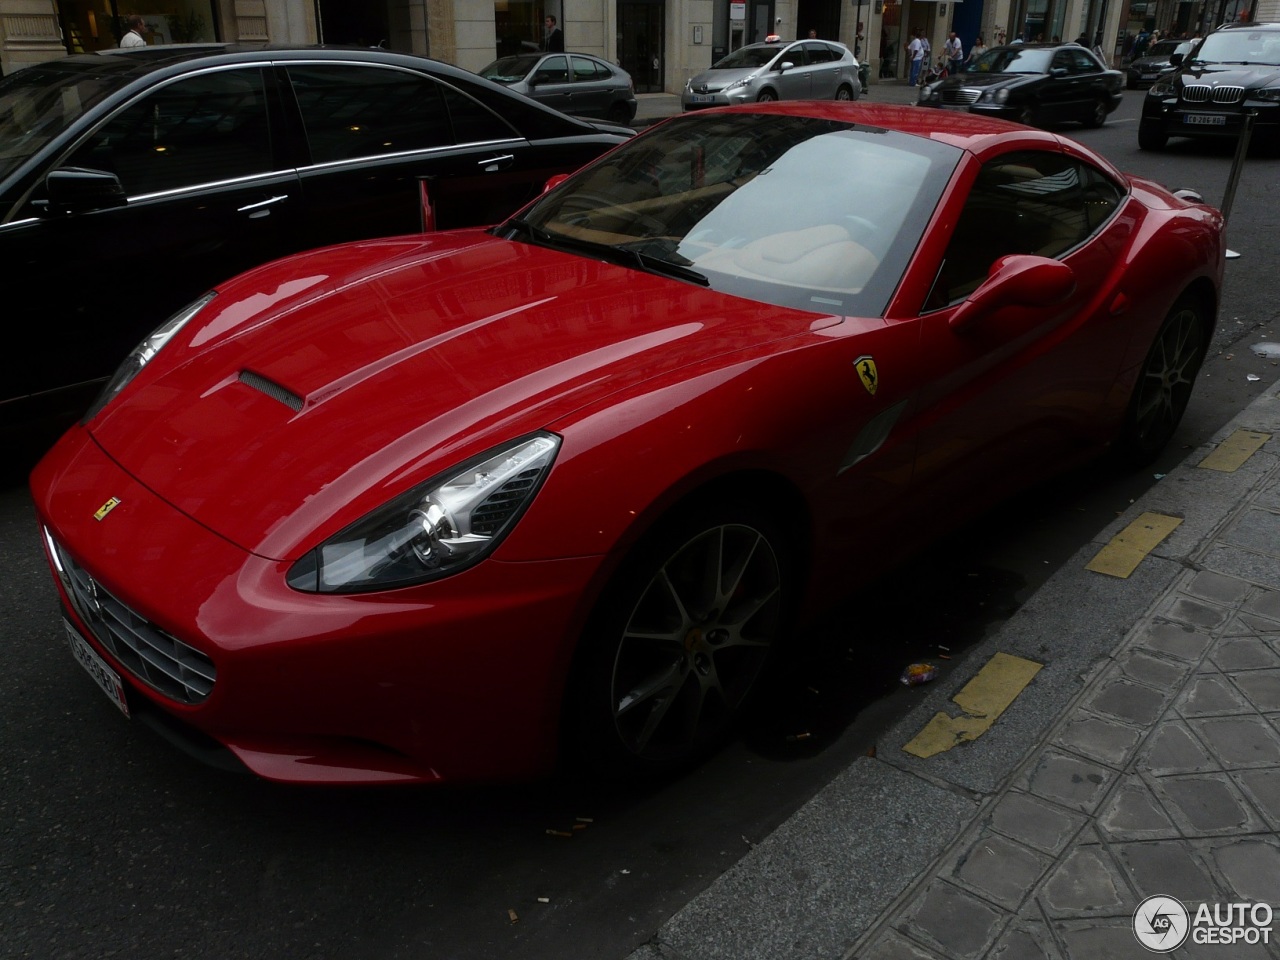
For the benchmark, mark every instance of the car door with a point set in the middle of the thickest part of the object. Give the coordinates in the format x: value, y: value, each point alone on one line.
x: 824, y: 70
x: 794, y: 82
x: 204, y: 197
x: 552, y: 83
x: 590, y: 92
x: 1022, y: 385
x: 376, y: 134
x: 1065, y: 89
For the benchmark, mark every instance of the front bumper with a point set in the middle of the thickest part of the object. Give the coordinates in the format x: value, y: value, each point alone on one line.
x: 1182, y: 119
x: 456, y: 680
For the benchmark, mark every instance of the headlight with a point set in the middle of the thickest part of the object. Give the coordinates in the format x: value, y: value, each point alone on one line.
x: 143, y: 354
x: 1161, y: 88
x: 999, y: 95
x: 1271, y: 94
x: 736, y: 84
x: 434, y: 530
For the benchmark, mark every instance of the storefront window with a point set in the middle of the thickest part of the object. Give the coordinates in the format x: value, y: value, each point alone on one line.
x: 89, y: 25
x: 519, y: 26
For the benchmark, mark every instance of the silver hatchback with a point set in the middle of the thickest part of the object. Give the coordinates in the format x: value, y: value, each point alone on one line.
x: 800, y: 70
x: 575, y: 83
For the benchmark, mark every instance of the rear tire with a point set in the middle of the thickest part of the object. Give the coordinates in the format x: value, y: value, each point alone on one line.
x: 681, y: 640
x: 844, y: 93
x: 1151, y: 135
x: 1165, y: 382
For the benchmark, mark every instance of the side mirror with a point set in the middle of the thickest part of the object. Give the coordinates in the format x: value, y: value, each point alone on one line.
x: 1058, y: 72
x: 1175, y: 59
x: 785, y: 65
x: 1017, y: 280
x: 76, y: 189
x: 554, y: 182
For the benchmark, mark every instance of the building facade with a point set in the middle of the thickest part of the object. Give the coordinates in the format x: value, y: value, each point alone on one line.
x: 661, y: 43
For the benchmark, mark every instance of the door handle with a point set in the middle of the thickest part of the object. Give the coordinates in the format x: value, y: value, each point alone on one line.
x: 496, y: 163
x: 260, y: 209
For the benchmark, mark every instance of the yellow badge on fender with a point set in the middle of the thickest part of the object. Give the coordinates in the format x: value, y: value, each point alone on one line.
x: 106, y: 508
x: 866, y: 367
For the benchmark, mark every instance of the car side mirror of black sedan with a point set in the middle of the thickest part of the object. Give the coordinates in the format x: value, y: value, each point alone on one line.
x: 1017, y: 280
x: 1175, y: 59
x: 77, y: 189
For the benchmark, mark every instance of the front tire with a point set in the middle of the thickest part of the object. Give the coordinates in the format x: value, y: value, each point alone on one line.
x: 681, y: 640
x: 1097, y: 114
x: 1151, y: 135
x: 1165, y: 383
x: 766, y: 96
x: 1027, y: 115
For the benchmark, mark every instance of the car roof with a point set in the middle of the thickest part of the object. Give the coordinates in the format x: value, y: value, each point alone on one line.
x: 1265, y: 25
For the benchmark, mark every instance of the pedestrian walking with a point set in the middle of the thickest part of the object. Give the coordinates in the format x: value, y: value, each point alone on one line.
x: 955, y: 53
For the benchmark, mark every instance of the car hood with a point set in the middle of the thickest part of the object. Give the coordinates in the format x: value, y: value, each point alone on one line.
x: 985, y: 80
x: 1232, y: 75
x: 1150, y: 62
x: 313, y: 390
x: 715, y: 80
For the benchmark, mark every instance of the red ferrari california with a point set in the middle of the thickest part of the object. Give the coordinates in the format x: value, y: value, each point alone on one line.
x: 448, y: 507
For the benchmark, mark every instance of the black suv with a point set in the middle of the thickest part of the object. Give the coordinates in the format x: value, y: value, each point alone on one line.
x: 1233, y: 71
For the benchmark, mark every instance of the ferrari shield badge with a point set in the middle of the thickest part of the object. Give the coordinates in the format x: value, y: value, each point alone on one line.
x: 106, y: 508
x: 867, y: 373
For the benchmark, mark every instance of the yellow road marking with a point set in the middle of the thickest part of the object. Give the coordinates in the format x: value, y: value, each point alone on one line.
x: 1121, y: 556
x: 982, y: 699
x: 1232, y: 452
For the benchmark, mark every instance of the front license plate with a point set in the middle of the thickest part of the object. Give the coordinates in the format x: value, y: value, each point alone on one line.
x: 97, y: 668
x: 1209, y: 119
x: 697, y: 98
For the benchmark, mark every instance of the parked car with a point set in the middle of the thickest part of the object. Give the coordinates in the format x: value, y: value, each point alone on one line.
x: 1143, y: 71
x: 132, y: 182
x: 1235, y: 70
x: 760, y: 72
x: 430, y: 508
x: 1033, y: 83
x: 574, y: 83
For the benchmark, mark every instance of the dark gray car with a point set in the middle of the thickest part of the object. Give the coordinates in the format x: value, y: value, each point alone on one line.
x: 574, y: 83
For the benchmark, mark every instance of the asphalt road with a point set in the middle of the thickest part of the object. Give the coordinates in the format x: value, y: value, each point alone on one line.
x: 114, y: 844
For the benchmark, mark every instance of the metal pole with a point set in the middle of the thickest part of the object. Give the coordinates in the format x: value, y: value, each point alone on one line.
x: 1237, y: 164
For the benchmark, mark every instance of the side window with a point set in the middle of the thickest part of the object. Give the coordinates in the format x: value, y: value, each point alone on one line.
x: 1084, y: 62
x: 584, y: 69
x: 202, y: 129
x: 352, y: 111
x: 552, y: 70
x: 818, y: 53
x: 1063, y: 59
x: 473, y: 122
x: 794, y: 55
x: 1029, y: 203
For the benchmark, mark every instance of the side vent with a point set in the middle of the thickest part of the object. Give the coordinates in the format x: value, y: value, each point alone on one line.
x: 272, y: 390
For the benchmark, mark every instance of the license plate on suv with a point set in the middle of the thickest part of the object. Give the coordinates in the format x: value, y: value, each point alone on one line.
x: 1207, y: 119
x: 96, y: 667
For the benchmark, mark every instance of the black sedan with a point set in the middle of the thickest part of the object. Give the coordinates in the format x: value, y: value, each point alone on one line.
x: 1233, y: 72
x: 1033, y: 83
x: 130, y: 183
x: 1143, y: 71
x: 573, y: 82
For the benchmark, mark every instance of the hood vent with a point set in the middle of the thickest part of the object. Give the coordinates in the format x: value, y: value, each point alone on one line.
x: 272, y: 390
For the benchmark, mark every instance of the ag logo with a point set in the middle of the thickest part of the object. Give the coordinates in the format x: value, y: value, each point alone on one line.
x: 867, y: 373
x: 1161, y: 924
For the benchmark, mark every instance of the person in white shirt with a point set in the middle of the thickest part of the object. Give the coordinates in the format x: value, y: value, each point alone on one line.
x: 915, y: 49
x: 955, y: 53
x: 134, y: 38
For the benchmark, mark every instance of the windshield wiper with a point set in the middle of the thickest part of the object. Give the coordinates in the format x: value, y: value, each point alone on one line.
x: 623, y: 256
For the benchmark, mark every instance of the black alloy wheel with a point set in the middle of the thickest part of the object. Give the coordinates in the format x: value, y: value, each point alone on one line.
x: 1164, y: 386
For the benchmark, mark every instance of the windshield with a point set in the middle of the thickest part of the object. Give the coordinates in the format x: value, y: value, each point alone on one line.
x: 509, y: 69
x: 819, y: 215
x: 37, y: 103
x: 1241, y: 46
x: 747, y: 58
x: 1164, y: 48
x: 1014, y: 59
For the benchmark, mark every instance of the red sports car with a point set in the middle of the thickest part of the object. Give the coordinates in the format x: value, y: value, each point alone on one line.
x: 445, y: 507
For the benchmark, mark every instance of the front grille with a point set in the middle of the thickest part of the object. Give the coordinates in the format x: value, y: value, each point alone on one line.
x: 1204, y: 93
x: 162, y: 662
x: 960, y: 96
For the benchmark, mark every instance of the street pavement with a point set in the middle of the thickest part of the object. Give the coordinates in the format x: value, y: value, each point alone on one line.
x: 1117, y: 739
